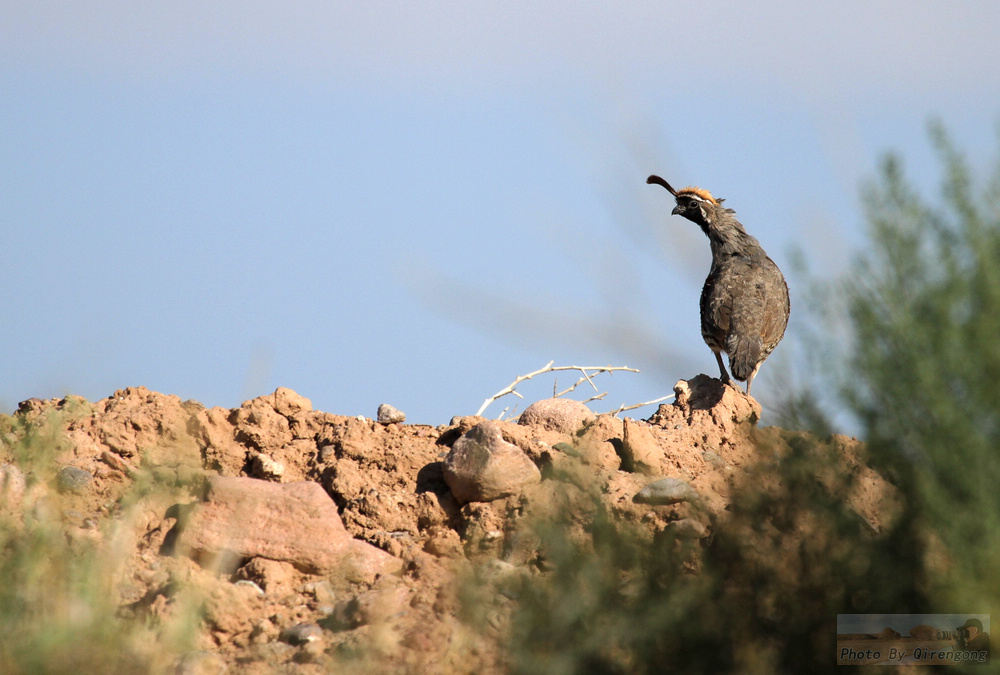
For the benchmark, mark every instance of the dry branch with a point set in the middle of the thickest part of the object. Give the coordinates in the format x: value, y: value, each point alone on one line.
x: 587, y: 371
x: 623, y: 407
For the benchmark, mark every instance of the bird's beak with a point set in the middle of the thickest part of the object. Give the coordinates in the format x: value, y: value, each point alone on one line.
x: 676, y: 211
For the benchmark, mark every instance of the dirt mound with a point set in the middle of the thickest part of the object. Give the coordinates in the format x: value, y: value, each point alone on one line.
x: 366, y: 567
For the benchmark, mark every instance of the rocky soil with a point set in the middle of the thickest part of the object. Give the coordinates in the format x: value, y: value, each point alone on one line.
x: 315, y: 541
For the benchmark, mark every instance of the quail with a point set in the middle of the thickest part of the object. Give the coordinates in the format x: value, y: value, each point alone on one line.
x: 744, y: 303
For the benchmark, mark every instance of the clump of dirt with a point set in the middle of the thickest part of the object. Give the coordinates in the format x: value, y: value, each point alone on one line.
x: 157, y: 460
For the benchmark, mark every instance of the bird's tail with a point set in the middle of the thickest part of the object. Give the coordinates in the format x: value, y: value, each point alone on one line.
x: 744, y: 355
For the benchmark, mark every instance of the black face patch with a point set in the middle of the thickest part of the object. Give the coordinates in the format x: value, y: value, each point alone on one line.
x: 690, y: 205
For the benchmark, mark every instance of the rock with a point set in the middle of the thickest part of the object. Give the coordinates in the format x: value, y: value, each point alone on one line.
x: 151, y: 427
x: 292, y: 522
x: 12, y: 485
x: 260, y: 425
x: 270, y: 575
x: 444, y: 542
x: 688, y: 528
x: 286, y: 402
x: 371, y: 607
x: 267, y: 468
x: 389, y: 487
x: 31, y: 406
x: 216, y: 436
x: 381, y: 604
x: 482, y: 466
x: 300, y: 634
x: 566, y: 448
x: 713, y: 458
x: 640, y: 451
x: 666, y: 491
x: 726, y: 404
x: 73, y: 479
x: 389, y: 415
x: 557, y: 414
x: 201, y: 663
x: 246, y: 583
x: 119, y: 464
x: 323, y: 591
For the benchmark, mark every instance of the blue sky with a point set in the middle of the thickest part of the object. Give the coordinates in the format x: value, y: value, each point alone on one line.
x: 414, y: 203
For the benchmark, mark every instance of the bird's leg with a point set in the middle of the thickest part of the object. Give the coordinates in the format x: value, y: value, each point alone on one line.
x: 722, y: 368
x: 750, y: 379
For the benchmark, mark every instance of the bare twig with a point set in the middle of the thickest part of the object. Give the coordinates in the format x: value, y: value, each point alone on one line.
x: 585, y: 378
x: 587, y: 371
x: 623, y: 407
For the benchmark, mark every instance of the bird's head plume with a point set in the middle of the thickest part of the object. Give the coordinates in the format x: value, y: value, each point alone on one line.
x: 689, y: 192
x: 691, y: 201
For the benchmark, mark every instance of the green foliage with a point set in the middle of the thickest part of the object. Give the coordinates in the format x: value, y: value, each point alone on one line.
x: 761, y: 595
x: 60, y: 596
x: 925, y: 304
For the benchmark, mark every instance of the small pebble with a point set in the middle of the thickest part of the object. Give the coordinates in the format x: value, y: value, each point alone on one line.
x: 73, y: 479
x: 250, y: 584
x: 566, y: 448
x: 389, y: 415
x: 666, y: 491
x: 712, y: 458
x: 300, y: 633
x: 328, y: 454
x: 323, y: 591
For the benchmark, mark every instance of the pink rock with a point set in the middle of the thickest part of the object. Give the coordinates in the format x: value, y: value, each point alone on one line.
x: 482, y: 466
x: 293, y: 522
x: 557, y: 414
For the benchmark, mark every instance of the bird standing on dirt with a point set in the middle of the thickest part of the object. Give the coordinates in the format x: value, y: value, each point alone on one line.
x: 744, y: 304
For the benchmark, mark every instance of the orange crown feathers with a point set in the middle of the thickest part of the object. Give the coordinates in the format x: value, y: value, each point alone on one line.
x: 698, y: 192
x: 688, y: 191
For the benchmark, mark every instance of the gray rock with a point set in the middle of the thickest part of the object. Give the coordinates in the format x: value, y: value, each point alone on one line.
x: 324, y: 592
x: 73, y: 479
x: 667, y: 491
x: 482, y: 466
x: 389, y: 415
x: 300, y: 633
x: 567, y: 449
x: 713, y: 458
x: 557, y: 414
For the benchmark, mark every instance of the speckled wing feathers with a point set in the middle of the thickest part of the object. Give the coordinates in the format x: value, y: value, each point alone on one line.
x: 744, y: 310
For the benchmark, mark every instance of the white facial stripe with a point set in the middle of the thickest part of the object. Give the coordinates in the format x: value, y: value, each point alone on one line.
x: 695, y: 197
